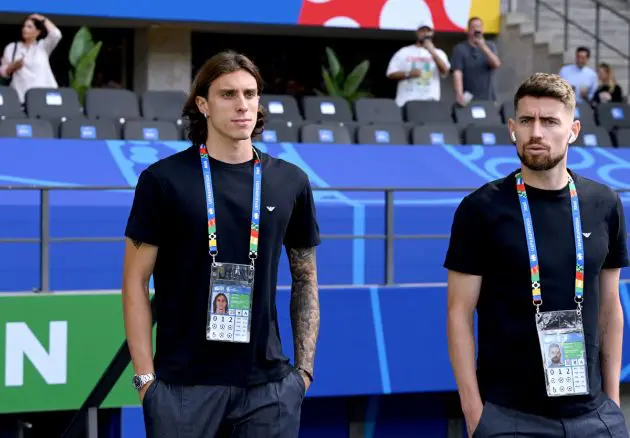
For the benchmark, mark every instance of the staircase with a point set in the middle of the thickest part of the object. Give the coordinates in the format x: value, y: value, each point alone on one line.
x: 612, y: 29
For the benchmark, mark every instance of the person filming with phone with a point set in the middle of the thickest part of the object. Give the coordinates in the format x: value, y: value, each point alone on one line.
x: 418, y: 68
x: 474, y: 62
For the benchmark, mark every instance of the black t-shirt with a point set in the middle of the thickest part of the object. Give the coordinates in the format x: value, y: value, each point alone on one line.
x: 169, y: 211
x: 488, y: 239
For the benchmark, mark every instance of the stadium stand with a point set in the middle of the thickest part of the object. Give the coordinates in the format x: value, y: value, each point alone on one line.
x: 325, y: 133
x: 9, y: 104
x: 313, y: 119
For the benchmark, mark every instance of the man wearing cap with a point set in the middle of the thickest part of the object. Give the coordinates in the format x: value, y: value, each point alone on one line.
x: 418, y: 68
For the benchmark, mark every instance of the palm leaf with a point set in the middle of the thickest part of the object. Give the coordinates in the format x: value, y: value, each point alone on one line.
x: 354, y: 79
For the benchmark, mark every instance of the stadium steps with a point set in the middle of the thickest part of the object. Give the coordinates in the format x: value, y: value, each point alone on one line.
x: 613, y: 29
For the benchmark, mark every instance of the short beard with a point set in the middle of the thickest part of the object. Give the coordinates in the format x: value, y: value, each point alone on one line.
x: 540, y: 163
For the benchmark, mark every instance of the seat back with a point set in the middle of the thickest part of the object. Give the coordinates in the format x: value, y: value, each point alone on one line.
x: 26, y: 128
x: 162, y: 105
x: 377, y: 110
x: 435, y: 135
x: 111, y: 104
x: 326, y: 109
x: 150, y: 130
x: 84, y: 129
x: 53, y: 103
x: 324, y: 133
x: 382, y: 134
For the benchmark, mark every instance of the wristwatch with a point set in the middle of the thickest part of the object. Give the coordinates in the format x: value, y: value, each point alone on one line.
x: 308, y: 374
x: 139, y: 380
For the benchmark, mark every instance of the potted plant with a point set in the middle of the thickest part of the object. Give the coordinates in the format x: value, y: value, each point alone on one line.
x: 83, y: 54
x: 337, y: 84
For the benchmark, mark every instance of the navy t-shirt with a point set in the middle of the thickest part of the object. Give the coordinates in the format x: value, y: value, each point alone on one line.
x: 488, y: 240
x: 169, y: 211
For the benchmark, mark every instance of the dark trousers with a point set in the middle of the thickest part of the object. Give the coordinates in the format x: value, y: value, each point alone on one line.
x: 499, y: 422
x: 271, y: 410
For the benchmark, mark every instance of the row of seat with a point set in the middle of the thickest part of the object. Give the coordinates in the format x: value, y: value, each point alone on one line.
x: 100, y: 104
x: 86, y: 129
x: 279, y: 131
x: 436, y: 134
x: 122, y: 105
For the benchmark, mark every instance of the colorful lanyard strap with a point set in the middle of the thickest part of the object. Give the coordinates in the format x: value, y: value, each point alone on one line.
x: 531, y: 242
x: 210, y: 207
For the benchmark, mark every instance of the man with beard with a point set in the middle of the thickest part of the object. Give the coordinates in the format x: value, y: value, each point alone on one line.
x: 538, y: 255
x: 418, y: 68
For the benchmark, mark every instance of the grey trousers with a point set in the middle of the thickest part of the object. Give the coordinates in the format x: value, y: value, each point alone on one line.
x: 271, y: 410
x: 499, y: 422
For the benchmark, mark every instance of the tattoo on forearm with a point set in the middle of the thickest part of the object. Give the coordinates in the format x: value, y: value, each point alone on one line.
x: 136, y: 243
x: 304, y: 305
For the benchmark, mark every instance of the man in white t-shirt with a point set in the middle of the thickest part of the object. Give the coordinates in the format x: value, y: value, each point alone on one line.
x: 418, y: 68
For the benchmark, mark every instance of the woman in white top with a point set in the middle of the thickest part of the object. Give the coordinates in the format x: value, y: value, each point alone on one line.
x: 26, y: 62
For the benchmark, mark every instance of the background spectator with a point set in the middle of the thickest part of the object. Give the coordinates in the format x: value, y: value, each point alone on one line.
x: 608, y: 90
x: 580, y: 76
x: 474, y: 62
x: 26, y: 62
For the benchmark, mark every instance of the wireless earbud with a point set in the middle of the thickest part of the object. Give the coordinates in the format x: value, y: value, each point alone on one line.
x: 513, y: 136
x: 571, y: 137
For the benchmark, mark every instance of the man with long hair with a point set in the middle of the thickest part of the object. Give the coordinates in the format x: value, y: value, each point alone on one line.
x: 538, y: 254
x: 214, y: 217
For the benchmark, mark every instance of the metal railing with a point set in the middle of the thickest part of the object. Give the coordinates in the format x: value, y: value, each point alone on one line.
x: 567, y: 22
x: 45, y: 240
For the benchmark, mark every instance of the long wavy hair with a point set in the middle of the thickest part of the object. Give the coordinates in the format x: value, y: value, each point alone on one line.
x: 220, y: 64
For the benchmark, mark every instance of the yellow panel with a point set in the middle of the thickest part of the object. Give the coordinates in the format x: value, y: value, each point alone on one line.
x: 489, y: 11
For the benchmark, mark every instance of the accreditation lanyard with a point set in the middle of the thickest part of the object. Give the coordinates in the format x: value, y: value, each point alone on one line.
x: 531, y: 242
x: 211, y: 210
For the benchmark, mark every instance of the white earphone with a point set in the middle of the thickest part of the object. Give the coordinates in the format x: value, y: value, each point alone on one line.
x: 571, y: 137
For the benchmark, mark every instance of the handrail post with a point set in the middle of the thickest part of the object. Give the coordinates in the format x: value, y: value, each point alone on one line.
x: 389, y: 236
x: 566, y: 25
x: 44, y: 226
x: 597, y: 39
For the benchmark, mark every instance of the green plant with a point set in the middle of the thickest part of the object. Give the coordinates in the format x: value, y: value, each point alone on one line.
x: 338, y: 85
x: 83, y: 54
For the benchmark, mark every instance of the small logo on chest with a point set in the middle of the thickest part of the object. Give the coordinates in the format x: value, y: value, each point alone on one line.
x: 587, y: 235
x: 271, y: 208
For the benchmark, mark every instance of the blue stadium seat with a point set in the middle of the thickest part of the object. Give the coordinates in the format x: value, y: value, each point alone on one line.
x: 382, y: 134
x: 428, y: 135
x: 593, y: 136
x: 478, y: 112
x: 26, y: 128
x: 112, y: 104
x: 10, y: 107
x: 280, y: 107
x: 377, y: 110
x: 428, y: 112
x: 613, y: 115
x: 325, y: 133
x: 150, y: 130
x: 622, y: 137
x: 277, y: 131
x: 55, y: 104
x: 487, y: 135
x: 163, y: 105
x: 585, y: 114
x: 85, y: 129
x: 326, y: 109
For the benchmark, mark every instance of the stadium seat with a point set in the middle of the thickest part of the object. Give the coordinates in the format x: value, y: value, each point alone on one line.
x: 382, y: 134
x: 324, y: 133
x: 277, y: 131
x: 26, y: 128
x: 280, y: 107
x: 507, y: 110
x: 10, y: 107
x: 85, y: 129
x: 478, y: 112
x: 163, y: 105
x: 326, y: 109
x: 486, y: 135
x: 150, y: 130
x: 613, y: 115
x: 435, y: 135
x: 585, y: 114
x: 622, y: 137
x: 377, y: 110
x: 111, y: 104
x: 593, y: 136
x: 428, y: 112
x: 55, y: 104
